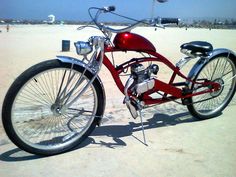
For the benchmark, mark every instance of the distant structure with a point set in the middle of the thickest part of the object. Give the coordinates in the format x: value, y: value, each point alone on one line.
x: 51, y: 19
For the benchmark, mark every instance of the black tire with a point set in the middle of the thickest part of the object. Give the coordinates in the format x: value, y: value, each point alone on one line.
x: 67, y: 123
x: 221, y: 69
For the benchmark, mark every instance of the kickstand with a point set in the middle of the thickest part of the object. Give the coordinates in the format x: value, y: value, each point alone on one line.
x: 141, y: 118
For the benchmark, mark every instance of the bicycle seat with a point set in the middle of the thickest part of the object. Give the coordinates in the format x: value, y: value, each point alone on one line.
x: 196, y: 48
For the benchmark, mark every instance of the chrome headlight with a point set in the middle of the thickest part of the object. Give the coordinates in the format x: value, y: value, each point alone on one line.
x: 83, y: 48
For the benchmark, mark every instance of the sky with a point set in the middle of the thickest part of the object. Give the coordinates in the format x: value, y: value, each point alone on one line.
x: 139, y: 9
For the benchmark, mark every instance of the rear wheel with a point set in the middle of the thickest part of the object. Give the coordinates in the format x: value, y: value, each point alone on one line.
x: 35, y: 113
x: 221, y: 70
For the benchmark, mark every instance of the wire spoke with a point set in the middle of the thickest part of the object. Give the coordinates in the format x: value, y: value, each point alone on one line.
x: 220, y: 70
x: 38, y: 123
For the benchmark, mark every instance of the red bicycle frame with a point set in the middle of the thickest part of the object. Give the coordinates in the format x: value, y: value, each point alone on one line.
x: 169, y: 88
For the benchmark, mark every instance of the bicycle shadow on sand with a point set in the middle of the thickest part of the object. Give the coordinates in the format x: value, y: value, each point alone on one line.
x: 115, y: 132
x: 118, y: 132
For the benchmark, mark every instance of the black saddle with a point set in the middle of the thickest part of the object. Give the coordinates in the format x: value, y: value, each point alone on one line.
x: 196, y: 48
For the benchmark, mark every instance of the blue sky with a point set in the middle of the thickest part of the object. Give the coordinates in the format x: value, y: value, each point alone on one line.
x: 77, y: 9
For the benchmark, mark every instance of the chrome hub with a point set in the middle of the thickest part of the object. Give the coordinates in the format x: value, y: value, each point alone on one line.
x: 220, y: 89
x: 58, y: 109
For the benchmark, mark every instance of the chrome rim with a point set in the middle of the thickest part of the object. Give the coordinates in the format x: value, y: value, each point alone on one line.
x: 43, y: 121
x: 222, y: 71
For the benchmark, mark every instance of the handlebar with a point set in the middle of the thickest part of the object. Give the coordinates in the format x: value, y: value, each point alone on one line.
x: 157, y: 22
x: 109, y: 8
x: 170, y: 21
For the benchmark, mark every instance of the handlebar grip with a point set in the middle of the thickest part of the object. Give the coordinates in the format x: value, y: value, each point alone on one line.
x: 109, y: 8
x: 170, y: 20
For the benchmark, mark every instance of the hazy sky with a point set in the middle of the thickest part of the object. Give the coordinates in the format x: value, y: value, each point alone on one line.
x: 77, y: 9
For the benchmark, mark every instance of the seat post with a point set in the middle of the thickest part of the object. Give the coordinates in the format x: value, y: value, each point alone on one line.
x: 183, y: 61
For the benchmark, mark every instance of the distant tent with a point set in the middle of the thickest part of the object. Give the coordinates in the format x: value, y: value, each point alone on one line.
x: 51, y: 19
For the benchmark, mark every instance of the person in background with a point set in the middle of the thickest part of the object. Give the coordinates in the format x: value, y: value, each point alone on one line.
x: 8, y: 27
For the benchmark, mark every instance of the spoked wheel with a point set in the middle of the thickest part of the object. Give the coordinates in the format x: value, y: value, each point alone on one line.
x: 221, y: 70
x: 36, y: 113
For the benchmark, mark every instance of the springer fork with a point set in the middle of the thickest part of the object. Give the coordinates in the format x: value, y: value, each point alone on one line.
x: 98, y: 43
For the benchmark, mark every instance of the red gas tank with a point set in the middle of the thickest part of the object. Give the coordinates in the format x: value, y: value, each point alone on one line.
x: 134, y: 42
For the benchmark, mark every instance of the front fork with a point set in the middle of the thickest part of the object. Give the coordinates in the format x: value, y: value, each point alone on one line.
x: 93, y: 64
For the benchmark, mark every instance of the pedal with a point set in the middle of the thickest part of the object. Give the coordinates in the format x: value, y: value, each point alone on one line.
x: 132, y: 109
x: 185, y: 101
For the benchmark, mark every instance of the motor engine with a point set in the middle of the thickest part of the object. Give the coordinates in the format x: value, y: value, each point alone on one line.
x: 142, y: 77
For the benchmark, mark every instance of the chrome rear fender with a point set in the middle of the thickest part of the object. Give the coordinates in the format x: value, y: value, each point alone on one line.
x: 204, y: 60
x: 75, y: 61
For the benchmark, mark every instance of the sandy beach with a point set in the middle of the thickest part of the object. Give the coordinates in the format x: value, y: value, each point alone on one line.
x: 178, y: 144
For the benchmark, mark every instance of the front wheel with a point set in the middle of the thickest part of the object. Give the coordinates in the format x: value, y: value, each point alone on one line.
x: 35, y: 114
x: 220, y: 69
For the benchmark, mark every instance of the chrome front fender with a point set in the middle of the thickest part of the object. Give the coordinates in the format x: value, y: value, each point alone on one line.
x: 75, y: 61
x: 203, y: 60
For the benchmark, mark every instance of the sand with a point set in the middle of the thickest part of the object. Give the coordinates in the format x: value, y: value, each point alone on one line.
x: 179, y: 145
